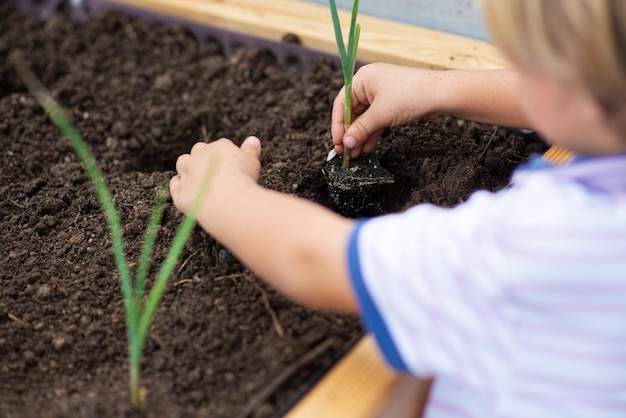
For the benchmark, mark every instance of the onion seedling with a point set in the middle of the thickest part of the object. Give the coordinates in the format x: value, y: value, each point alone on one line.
x: 347, y: 56
x: 139, y: 311
x: 352, y: 188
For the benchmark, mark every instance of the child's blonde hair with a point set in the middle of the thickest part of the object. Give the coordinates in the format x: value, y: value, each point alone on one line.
x: 578, y: 41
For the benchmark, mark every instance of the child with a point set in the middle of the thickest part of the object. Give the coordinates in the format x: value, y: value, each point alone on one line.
x: 515, y: 301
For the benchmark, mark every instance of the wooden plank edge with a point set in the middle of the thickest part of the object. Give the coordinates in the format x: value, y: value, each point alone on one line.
x: 361, y: 385
x: 381, y: 40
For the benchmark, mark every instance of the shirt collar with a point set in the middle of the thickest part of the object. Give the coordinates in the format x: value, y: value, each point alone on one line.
x: 603, y: 174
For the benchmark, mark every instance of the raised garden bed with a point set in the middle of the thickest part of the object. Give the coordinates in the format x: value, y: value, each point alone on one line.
x: 223, y: 344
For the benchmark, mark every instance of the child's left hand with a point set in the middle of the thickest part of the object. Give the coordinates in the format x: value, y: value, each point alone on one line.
x: 296, y: 245
x: 228, y: 165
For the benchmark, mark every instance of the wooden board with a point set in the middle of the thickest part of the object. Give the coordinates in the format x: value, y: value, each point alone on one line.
x: 362, y: 386
x: 381, y: 40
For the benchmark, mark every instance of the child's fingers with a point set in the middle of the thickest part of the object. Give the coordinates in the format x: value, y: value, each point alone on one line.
x: 175, y: 192
x: 363, y: 134
x: 252, y: 145
x: 175, y: 185
x: 199, y: 146
x: 364, y: 127
x: 370, y: 144
x: 181, y: 162
x: 336, y: 126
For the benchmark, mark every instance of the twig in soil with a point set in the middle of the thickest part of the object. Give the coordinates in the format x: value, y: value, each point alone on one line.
x: 130, y: 31
x: 268, y: 388
x: 16, y: 204
x: 16, y: 319
x: 518, y: 159
x: 493, y: 135
x: 192, y: 280
x: 266, y: 302
x: 183, y: 282
x: 229, y: 276
x: 186, y: 260
x: 157, y: 340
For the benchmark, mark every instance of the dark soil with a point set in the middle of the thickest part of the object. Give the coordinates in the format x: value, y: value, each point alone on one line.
x: 222, y: 344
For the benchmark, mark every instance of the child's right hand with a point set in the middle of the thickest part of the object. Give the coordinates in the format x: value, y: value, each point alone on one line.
x: 383, y: 95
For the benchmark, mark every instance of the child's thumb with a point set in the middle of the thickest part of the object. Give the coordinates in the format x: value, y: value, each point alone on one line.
x: 252, y: 145
x: 359, y: 131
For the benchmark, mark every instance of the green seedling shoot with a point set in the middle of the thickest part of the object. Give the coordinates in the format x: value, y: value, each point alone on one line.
x: 139, y: 310
x: 347, y: 56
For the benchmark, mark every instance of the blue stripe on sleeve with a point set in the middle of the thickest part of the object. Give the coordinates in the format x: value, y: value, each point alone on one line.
x: 369, y: 312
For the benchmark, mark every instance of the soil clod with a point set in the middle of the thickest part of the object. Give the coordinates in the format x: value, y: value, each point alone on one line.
x: 353, y: 191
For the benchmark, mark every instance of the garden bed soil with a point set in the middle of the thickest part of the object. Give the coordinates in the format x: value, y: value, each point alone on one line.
x: 223, y: 344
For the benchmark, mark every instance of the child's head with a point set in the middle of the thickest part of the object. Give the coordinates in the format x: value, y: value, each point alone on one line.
x: 582, y: 42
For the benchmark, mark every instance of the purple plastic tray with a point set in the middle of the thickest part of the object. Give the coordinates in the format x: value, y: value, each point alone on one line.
x: 286, y: 53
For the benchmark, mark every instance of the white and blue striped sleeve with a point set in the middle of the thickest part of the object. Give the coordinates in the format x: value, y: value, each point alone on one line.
x: 514, y: 298
x: 427, y: 289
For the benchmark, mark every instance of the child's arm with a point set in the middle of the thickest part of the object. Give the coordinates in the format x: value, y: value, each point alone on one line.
x: 297, y: 246
x: 386, y: 95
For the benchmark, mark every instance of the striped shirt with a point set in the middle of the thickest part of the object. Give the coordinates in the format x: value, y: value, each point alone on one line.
x: 515, y: 301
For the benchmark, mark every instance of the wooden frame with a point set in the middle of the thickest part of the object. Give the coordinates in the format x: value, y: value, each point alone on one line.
x: 381, y: 40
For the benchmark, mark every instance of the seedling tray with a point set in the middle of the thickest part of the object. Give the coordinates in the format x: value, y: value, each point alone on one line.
x: 265, y: 24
